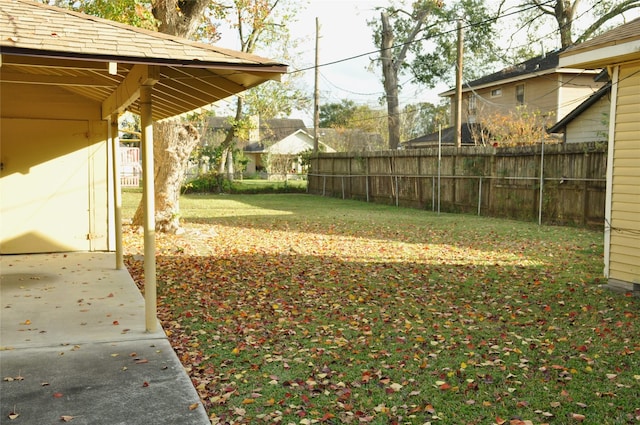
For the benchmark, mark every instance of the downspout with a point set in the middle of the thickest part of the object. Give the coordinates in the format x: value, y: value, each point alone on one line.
x: 615, y: 75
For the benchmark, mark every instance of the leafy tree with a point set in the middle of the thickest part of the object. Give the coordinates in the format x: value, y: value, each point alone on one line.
x: 256, y: 22
x: 175, y: 17
x: 337, y: 114
x: 347, y: 114
x: 357, y: 127
x: 519, y: 127
x: 260, y: 23
x: 421, y: 40
x: 565, y: 13
x: 423, y: 118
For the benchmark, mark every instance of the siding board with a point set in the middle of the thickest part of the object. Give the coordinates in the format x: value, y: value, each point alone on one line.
x: 625, y: 209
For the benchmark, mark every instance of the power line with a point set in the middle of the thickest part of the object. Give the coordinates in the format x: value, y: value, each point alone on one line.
x: 439, y: 23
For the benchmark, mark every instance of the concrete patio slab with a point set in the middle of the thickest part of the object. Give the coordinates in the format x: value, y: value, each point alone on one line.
x: 73, y: 345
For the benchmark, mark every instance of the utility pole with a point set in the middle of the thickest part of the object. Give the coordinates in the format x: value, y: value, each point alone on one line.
x: 459, y: 87
x: 316, y: 94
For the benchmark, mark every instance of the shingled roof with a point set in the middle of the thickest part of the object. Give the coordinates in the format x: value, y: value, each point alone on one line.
x: 538, y: 65
x: 619, y: 35
x: 617, y: 45
x: 51, y: 45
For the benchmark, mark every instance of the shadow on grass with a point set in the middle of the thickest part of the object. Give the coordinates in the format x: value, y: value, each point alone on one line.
x: 289, y: 335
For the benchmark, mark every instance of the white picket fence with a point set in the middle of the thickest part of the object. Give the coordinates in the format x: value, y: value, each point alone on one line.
x: 130, y: 168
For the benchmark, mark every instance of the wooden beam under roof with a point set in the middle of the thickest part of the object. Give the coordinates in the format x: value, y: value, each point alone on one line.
x: 129, y: 90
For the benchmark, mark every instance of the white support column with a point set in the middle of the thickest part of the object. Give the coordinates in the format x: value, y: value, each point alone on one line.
x: 615, y: 77
x: 117, y: 189
x: 148, y: 197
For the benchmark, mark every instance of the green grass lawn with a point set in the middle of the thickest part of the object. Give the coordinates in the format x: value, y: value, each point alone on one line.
x: 301, y: 309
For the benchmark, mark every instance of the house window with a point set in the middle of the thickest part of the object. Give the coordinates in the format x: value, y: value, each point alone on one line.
x: 520, y: 94
x: 496, y: 92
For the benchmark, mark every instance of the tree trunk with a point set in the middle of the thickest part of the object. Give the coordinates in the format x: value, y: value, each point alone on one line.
x: 565, y: 12
x: 225, y: 167
x: 390, y: 74
x: 179, y: 17
x: 230, y: 170
x: 173, y: 143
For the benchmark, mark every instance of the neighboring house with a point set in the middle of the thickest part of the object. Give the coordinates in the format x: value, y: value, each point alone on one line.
x: 447, y: 136
x: 284, y: 154
x: 589, y: 122
x: 540, y: 84
x: 279, y: 136
x: 618, y: 50
x: 262, y: 130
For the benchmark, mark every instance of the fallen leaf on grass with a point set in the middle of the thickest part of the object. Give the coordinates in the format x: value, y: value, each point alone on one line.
x: 66, y: 418
x: 395, y: 387
x: 577, y: 417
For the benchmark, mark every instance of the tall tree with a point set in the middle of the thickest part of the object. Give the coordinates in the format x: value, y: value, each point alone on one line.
x: 565, y: 13
x: 174, y: 140
x: 259, y: 23
x: 419, y: 40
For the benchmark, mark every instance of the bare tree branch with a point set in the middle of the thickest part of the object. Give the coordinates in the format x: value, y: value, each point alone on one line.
x: 618, y: 9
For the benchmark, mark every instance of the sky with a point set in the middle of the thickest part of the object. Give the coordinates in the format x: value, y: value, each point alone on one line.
x: 344, y: 34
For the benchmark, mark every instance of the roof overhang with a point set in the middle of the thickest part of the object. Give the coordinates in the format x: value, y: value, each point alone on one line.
x: 601, y: 55
x: 179, y: 87
x: 108, y: 62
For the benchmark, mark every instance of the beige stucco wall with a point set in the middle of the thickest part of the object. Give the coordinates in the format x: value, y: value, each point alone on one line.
x: 54, y: 183
x: 624, y: 247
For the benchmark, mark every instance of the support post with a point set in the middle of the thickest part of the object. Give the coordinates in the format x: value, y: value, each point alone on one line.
x: 316, y: 93
x: 149, y: 224
x: 397, y: 195
x: 117, y: 189
x: 439, y: 162
x: 479, y: 194
x: 433, y: 193
x: 458, y: 118
x: 541, y: 194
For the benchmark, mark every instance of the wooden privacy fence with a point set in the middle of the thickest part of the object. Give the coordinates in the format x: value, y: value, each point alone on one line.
x: 553, y: 183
